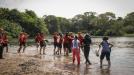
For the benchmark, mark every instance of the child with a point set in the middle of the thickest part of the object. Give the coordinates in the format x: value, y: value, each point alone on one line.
x: 106, y: 49
x: 76, y: 49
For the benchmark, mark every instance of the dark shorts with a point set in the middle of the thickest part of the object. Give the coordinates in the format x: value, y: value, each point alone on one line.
x: 66, y: 45
x: 1, y: 51
x: 55, y: 44
x: 103, y: 54
x: 42, y: 44
x: 69, y: 48
x: 22, y: 43
x: 59, y: 45
x: 86, y: 48
x: 5, y: 45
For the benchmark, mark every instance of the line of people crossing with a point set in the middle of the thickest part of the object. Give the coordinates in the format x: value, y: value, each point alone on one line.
x: 69, y: 42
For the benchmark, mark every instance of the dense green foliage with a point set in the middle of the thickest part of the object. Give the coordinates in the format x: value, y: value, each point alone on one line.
x: 14, y: 22
x: 13, y: 29
x: 105, y: 24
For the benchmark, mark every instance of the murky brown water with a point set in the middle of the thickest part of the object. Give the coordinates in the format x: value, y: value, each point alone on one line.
x: 31, y: 63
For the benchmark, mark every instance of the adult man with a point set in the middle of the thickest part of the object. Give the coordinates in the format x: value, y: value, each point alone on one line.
x: 55, y: 41
x: 22, y: 41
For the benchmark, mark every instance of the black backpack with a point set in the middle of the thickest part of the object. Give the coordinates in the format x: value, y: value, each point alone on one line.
x: 87, y: 40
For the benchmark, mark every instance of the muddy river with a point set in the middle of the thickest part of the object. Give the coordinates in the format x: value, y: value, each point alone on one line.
x: 32, y: 63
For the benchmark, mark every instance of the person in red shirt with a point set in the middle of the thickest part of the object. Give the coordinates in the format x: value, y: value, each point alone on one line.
x: 1, y: 43
x: 37, y: 40
x: 55, y: 41
x: 22, y: 41
x: 66, y: 44
x: 71, y: 37
x: 5, y: 41
x: 42, y: 43
x: 59, y: 43
x: 80, y: 38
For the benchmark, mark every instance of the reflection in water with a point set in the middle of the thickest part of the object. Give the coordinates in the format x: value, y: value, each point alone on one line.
x: 105, y: 72
x: 86, y: 70
x: 77, y: 69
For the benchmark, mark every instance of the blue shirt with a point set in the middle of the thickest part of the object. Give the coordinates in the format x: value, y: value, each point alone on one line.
x: 105, y: 46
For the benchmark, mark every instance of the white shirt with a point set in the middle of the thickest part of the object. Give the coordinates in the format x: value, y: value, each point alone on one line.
x: 75, y: 43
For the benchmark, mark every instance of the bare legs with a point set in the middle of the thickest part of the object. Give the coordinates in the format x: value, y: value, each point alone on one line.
x: 7, y: 49
x: 37, y: 46
x: 43, y: 49
x: 24, y: 49
x: 101, y: 63
x: 58, y: 51
x: 21, y: 48
x: 109, y: 63
x: 54, y: 50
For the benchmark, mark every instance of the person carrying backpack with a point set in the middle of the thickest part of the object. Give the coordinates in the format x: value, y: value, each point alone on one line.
x: 86, y: 42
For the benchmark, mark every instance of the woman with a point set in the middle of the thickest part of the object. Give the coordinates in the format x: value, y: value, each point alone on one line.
x: 106, y: 50
x: 76, y: 49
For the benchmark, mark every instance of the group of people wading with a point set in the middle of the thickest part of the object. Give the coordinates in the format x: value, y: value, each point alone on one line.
x: 74, y: 43
x: 69, y: 42
x: 22, y: 40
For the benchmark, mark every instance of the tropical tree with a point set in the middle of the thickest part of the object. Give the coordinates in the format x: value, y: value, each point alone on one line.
x: 129, y: 23
x: 52, y: 24
x: 12, y: 28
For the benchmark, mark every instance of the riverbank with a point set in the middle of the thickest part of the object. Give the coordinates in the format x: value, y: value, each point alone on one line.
x: 129, y: 35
